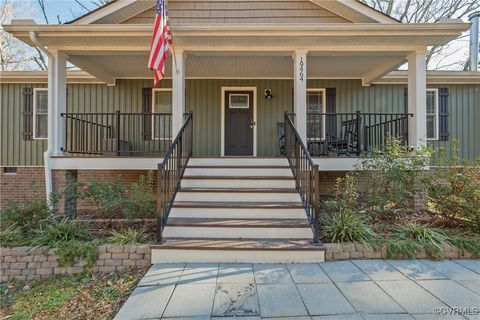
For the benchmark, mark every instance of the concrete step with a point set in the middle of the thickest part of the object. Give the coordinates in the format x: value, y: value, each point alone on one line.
x: 237, y: 251
x: 239, y: 171
x: 239, y: 213
x: 237, y: 161
x: 215, y: 228
x: 237, y: 182
x: 237, y: 195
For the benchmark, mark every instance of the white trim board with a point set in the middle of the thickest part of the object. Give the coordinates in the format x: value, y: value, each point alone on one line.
x: 222, y: 118
x: 127, y: 163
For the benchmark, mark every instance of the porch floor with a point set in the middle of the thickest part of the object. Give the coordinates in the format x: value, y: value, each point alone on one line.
x: 352, y: 290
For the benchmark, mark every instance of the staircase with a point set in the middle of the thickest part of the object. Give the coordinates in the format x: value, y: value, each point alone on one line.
x: 237, y: 210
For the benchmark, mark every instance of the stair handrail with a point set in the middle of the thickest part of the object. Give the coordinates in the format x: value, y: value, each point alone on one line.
x: 170, y: 172
x: 306, y: 174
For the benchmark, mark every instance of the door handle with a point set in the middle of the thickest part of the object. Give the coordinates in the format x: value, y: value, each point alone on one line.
x: 252, y: 123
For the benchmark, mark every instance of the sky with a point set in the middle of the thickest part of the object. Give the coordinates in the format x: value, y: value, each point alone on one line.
x: 66, y: 9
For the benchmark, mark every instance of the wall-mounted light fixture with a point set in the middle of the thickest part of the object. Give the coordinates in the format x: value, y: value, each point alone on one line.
x: 268, y: 94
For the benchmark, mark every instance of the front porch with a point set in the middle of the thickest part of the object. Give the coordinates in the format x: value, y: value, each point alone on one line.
x: 330, y: 135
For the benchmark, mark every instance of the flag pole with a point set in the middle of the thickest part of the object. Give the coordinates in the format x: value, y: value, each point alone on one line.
x: 173, y: 43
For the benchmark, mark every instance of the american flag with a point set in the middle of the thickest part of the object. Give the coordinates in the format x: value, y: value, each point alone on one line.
x: 161, y: 41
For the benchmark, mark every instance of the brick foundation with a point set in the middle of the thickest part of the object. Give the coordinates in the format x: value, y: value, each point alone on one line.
x: 21, y: 186
x: 23, y: 263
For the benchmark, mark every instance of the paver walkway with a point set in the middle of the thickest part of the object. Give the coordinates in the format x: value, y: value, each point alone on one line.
x: 350, y: 290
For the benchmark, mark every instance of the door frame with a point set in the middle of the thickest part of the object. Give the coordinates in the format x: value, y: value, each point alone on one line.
x: 222, y: 118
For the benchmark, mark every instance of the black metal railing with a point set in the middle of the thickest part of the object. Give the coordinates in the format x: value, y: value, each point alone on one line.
x: 306, y: 174
x: 350, y: 134
x: 117, y: 134
x: 170, y: 172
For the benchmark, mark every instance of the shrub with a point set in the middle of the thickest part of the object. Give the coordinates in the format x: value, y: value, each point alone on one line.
x: 129, y: 236
x: 57, y: 232
x: 132, y: 201
x: 30, y: 214
x: 70, y: 240
x: 345, y: 196
x: 140, y: 204
x: 454, y: 190
x: 11, y: 236
x: 348, y: 226
x: 392, y: 175
x: 68, y: 251
x: 107, y: 197
x: 414, y: 236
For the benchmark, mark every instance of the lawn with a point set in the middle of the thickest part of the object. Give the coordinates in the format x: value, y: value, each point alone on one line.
x: 80, y: 296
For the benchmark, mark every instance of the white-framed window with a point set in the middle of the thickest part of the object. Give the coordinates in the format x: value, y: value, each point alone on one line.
x: 161, y: 123
x: 432, y: 114
x: 316, y: 108
x: 239, y: 101
x: 40, y: 113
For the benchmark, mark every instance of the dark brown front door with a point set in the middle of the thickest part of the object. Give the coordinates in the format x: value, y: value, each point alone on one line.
x: 239, y: 123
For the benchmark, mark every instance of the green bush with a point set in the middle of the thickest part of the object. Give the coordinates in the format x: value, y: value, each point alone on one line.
x: 139, y: 203
x: 409, y: 238
x: 348, y: 226
x: 454, y: 190
x: 70, y: 240
x: 30, y: 214
x: 57, y: 232
x: 129, y: 236
x: 107, y: 197
x: 345, y: 196
x: 392, y: 176
x: 68, y: 251
x: 132, y: 201
x: 12, y: 236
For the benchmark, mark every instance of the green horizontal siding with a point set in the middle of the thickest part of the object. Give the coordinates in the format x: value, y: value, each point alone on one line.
x: 203, y: 97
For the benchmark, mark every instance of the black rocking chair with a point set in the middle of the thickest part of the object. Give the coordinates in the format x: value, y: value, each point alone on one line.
x: 349, y: 142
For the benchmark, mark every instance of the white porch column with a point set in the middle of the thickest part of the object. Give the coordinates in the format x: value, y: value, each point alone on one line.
x: 178, y: 91
x: 300, y: 92
x: 57, y: 104
x: 417, y: 98
x: 57, y: 101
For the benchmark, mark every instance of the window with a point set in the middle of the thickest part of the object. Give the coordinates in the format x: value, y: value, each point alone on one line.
x: 40, y: 113
x: 10, y: 170
x: 161, y: 121
x: 316, y: 107
x: 432, y: 114
x: 239, y: 101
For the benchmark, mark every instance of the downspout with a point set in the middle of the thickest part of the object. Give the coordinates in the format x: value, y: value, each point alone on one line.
x: 473, y: 57
x: 47, y: 154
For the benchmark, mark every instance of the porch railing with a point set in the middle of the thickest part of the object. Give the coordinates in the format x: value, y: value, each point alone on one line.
x: 117, y: 134
x: 350, y: 134
x: 171, y: 170
x: 306, y: 175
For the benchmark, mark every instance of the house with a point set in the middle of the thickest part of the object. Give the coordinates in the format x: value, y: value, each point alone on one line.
x: 249, y: 81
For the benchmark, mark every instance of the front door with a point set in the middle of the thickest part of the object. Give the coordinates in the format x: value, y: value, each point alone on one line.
x: 239, y: 123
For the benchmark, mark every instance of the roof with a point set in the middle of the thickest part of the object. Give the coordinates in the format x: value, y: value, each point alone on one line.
x: 395, y: 77
x: 353, y: 10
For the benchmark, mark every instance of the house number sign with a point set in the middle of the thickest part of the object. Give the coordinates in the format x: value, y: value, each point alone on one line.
x: 301, y: 73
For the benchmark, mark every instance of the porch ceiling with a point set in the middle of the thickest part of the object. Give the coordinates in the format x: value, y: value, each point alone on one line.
x: 240, y: 65
x: 361, y: 50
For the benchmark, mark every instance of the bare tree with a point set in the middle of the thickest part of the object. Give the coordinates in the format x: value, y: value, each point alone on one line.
x: 15, y: 55
x: 421, y: 11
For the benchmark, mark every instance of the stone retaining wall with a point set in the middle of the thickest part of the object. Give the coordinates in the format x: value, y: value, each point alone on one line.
x: 345, y: 251
x: 24, y: 264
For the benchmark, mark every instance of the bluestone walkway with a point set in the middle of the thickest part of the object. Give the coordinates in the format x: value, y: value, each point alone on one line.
x: 350, y: 290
